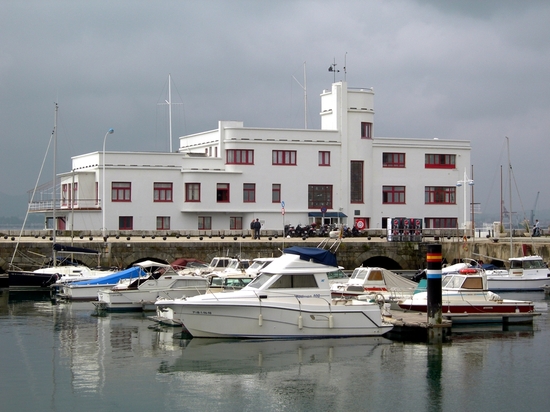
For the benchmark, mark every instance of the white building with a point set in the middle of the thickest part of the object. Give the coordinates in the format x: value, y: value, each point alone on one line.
x: 224, y: 178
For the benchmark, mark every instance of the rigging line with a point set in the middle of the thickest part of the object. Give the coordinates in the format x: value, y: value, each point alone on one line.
x: 32, y: 198
x: 487, y: 202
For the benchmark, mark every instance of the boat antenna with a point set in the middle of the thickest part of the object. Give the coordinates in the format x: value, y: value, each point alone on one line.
x: 54, y: 195
x: 510, y: 195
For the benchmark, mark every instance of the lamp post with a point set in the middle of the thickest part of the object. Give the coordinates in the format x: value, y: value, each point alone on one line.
x: 103, y: 200
x: 463, y: 183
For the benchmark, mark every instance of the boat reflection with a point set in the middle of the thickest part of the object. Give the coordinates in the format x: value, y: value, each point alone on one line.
x: 235, y: 356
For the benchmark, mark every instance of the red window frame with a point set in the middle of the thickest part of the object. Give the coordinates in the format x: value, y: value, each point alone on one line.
x: 324, y: 158
x: 441, y: 222
x: 439, y: 161
x: 162, y: 192
x: 204, y: 223
x: 121, y: 192
x: 235, y: 223
x: 393, y: 159
x: 366, y: 130
x: 222, y: 193
x: 125, y: 223
x: 440, y: 195
x: 392, y: 195
x: 249, y: 192
x: 239, y: 157
x: 192, y: 192
x: 283, y: 158
x: 276, y: 193
x: 163, y: 222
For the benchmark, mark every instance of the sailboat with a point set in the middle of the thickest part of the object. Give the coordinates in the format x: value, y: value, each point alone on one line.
x: 56, y: 269
x: 525, y: 272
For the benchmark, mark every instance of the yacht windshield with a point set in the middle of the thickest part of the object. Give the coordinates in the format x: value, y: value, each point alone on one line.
x: 260, y: 280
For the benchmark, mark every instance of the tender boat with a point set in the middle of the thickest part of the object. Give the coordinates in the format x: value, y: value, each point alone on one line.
x: 375, y: 282
x: 140, y: 295
x: 466, y: 299
x: 524, y: 273
x: 290, y: 298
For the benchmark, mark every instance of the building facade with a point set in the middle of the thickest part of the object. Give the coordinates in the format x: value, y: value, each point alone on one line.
x: 224, y: 178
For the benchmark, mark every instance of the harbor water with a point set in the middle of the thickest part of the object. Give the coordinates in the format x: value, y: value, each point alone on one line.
x: 66, y: 357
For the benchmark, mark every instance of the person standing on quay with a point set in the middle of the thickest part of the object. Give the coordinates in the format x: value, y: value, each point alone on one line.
x: 257, y: 226
x: 252, y: 228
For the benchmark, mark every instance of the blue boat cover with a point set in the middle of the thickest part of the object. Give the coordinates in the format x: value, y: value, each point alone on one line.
x: 132, y: 273
x: 318, y: 255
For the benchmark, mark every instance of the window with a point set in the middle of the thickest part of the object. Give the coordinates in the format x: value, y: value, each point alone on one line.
x: 162, y: 192
x: 222, y: 192
x: 393, y: 159
x: 324, y: 158
x: 235, y: 223
x: 125, y: 223
x: 163, y: 222
x: 319, y: 196
x: 441, y: 222
x: 249, y: 192
x: 284, y: 157
x: 276, y: 193
x: 295, y: 282
x: 192, y: 192
x: 239, y: 157
x: 440, y: 195
x: 65, y: 194
x: 393, y: 194
x: 440, y: 161
x: 75, y: 193
x: 356, y: 181
x: 121, y: 192
x: 205, y: 223
x: 366, y: 130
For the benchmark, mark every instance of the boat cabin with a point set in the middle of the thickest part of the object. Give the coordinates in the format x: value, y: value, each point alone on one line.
x: 467, y: 278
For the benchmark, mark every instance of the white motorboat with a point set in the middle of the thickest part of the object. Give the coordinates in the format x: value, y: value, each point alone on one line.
x: 141, y: 295
x: 375, y: 282
x: 289, y: 299
x: 524, y: 273
x: 466, y: 299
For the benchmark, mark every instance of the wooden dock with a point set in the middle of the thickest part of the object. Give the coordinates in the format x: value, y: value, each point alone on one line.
x: 414, y: 326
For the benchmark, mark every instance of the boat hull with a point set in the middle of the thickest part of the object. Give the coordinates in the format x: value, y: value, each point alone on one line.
x: 30, y: 280
x: 277, y: 320
x: 516, y: 283
x: 139, y: 300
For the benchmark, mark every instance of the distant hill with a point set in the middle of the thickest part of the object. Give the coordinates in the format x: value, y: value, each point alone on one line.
x: 13, y: 210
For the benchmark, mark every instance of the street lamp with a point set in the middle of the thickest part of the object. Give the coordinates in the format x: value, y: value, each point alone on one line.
x: 103, y: 200
x: 459, y: 183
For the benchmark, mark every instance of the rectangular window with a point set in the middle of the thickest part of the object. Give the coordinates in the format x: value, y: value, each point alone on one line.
x: 393, y: 194
x: 235, y: 223
x: 65, y: 194
x: 249, y: 192
x: 366, y: 130
x: 440, y: 195
x: 356, y: 181
x: 239, y: 157
x: 440, y: 161
x: 192, y: 192
x: 276, y: 193
x: 393, y: 159
x: 121, y: 192
x: 205, y: 223
x: 222, y: 193
x: 162, y: 192
x: 319, y: 196
x: 75, y: 193
x: 441, y: 222
x: 284, y: 157
x: 163, y: 222
x: 324, y: 158
x: 125, y: 223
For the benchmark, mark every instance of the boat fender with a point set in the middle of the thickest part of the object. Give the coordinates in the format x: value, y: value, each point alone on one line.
x: 330, y: 321
x: 494, y: 297
x: 260, y: 320
x: 300, y: 322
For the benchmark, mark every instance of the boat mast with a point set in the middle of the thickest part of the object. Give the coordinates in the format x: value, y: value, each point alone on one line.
x: 510, y: 193
x: 170, y: 110
x: 54, y: 194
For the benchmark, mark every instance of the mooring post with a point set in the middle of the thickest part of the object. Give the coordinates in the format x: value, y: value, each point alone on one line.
x: 435, y: 316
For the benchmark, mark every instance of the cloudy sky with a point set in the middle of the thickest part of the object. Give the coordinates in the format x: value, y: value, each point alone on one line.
x: 462, y: 69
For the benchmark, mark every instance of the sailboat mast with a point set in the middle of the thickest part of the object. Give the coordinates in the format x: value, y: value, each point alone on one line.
x: 54, y: 194
x: 170, y: 109
x: 510, y: 194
